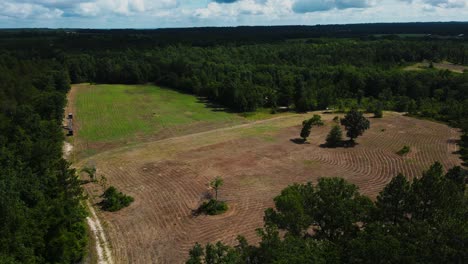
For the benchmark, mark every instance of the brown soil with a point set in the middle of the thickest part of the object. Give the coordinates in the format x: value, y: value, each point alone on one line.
x: 168, y: 178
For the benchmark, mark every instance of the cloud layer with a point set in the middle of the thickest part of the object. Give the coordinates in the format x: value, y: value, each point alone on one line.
x: 185, y: 13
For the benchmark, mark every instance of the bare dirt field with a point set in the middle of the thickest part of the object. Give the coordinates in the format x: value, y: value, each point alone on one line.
x: 168, y: 178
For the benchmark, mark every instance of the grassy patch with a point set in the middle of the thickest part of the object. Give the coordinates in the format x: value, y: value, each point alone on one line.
x: 261, y: 114
x: 311, y: 163
x: 116, y: 112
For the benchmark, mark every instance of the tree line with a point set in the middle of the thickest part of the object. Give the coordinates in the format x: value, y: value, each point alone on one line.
x: 300, y: 75
x: 41, y: 214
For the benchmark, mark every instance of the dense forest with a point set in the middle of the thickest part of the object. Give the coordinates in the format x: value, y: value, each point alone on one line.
x: 243, y: 69
x: 41, y: 215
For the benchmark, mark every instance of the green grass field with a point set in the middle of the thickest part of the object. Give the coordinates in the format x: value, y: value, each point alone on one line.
x: 122, y: 112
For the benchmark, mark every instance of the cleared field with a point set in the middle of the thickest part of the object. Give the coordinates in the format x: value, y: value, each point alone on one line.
x: 109, y: 116
x: 441, y: 66
x: 168, y: 178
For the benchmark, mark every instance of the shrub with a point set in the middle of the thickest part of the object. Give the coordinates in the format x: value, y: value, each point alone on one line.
x: 405, y: 150
x: 213, y: 207
x: 378, y: 112
x: 115, y: 200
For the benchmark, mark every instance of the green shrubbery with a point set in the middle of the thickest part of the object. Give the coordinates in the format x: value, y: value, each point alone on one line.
x: 115, y: 200
x: 403, y: 151
x: 213, y: 207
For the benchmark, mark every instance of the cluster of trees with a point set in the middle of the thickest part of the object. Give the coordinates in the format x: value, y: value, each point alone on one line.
x: 41, y: 214
x: 354, y: 122
x: 423, y: 221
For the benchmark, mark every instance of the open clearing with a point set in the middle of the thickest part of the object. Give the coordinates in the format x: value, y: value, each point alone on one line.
x: 441, y: 66
x: 109, y: 116
x: 168, y: 177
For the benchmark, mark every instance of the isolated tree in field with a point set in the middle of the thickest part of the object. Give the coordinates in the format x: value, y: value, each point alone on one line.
x: 306, y: 127
x: 335, y: 136
x: 355, y: 124
x: 378, y: 110
x: 213, y: 206
x: 216, y: 184
x: 316, y: 120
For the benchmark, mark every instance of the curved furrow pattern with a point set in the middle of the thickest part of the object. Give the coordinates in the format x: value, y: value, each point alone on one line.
x: 169, y: 182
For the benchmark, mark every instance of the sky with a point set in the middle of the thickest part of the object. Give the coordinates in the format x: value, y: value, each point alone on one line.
x: 197, y: 13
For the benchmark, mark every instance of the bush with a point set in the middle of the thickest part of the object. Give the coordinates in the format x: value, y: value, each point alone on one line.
x: 335, y: 137
x: 378, y: 113
x: 213, y: 207
x: 115, y: 200
x: 405, y: 150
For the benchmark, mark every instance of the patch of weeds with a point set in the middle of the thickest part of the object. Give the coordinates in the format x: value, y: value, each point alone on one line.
x: 310, y: 162
x: 212, y: 207
x: 405, y: 150
x: 268, y: 138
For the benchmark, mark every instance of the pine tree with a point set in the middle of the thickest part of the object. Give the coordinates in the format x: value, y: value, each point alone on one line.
x: 335, y: 136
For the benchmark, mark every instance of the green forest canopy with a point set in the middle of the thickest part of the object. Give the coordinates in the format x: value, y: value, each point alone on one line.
x: 304, y: 68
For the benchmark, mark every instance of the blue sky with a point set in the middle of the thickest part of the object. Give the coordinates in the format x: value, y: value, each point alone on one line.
x: 194, y: 13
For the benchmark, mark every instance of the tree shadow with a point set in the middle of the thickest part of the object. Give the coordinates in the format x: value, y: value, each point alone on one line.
x: 299, y: 141
x: 213, y: 106
x: 453, y: 141
x: 206, y: 196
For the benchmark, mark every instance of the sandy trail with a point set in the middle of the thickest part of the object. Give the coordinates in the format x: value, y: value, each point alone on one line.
x: 104, y: 255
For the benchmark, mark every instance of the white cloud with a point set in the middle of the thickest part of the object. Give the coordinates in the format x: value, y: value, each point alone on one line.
x: 306, y: 6
x: 441, y: 3
x: 123, y: 7
x: 183, y: 13
x: 268, y: 8
x: 27, y: 10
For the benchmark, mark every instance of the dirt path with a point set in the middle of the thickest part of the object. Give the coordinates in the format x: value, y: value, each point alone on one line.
x: 102, y: 249
x: 103, y: 252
